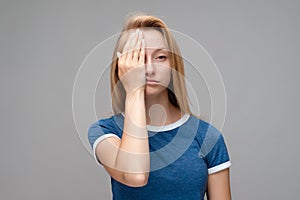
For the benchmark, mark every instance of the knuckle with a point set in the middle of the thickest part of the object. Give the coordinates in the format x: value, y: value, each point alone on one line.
x: 127, y: 63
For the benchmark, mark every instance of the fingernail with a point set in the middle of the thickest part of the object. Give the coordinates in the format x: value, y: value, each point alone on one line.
x: 118, y: 54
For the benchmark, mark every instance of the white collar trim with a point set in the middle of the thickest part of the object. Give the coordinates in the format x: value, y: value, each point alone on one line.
x: 168, y: 127
x: 171, y: 126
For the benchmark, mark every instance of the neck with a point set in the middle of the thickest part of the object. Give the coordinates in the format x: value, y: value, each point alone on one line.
x: 159, y: 110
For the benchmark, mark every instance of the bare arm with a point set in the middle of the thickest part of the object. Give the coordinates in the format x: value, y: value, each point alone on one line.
x: 127, y: 159
x: 218, y: 186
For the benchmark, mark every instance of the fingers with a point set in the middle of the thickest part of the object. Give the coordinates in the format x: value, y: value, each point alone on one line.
x: 136, y: 51
x: 142, y: 53
x: 132, y: 60
x: 129, y: 44
x: 131, y: 51
x: 132, y: 46
x: 119, y: 54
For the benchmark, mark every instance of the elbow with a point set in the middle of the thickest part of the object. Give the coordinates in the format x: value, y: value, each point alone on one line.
x: 136, y: 180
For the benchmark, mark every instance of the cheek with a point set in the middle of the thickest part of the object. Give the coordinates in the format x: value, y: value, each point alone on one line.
x: 165, y: 76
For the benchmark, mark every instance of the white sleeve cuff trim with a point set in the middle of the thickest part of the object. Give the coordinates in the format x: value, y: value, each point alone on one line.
x: 219, y: 167
x: 100, y: 139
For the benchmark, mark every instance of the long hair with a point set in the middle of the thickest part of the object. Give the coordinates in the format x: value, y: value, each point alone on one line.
x: 177, y: 93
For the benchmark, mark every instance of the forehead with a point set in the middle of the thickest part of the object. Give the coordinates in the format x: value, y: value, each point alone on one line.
x: 154, y: 39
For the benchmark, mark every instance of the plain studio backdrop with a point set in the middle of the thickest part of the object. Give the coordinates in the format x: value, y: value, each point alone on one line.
x: 255, y: 45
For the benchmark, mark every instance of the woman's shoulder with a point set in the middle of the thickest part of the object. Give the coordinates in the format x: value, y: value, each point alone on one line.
x: 204, y: 127
x: 105, y: 125
x: 109, y: 118
x: 201, y: 121
x: 112, y: 121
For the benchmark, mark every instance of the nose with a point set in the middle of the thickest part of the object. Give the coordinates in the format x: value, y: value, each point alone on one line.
x: 150, y: 69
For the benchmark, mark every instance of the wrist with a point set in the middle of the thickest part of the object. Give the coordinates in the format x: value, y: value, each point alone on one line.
x: 138, y: 93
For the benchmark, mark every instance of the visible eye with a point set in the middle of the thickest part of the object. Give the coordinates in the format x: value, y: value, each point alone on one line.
x: 161, y: 58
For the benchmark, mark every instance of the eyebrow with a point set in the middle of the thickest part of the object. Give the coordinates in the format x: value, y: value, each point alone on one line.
x: 160, y: 49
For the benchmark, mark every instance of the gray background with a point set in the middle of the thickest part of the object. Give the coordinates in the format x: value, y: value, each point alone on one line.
x: 255, y: 44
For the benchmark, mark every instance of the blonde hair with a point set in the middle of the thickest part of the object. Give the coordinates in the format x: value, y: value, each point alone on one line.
x: 177, y: 92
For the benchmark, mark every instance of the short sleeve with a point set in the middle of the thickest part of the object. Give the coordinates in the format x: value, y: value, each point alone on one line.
x: 100, y: 130
x: 214, y: 151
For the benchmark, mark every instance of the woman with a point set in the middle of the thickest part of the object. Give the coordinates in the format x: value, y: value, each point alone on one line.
x: 153, y: 147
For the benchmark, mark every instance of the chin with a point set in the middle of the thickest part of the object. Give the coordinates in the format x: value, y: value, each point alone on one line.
x: 154, y: 91
x: 151, y: 93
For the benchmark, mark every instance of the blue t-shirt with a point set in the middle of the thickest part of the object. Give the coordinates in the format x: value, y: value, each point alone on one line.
x: 182, y: 155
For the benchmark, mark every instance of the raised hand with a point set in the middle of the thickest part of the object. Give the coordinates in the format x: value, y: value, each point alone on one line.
x: 131, y: 69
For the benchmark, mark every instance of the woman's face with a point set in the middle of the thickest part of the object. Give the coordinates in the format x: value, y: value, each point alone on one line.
x: 157, y: 62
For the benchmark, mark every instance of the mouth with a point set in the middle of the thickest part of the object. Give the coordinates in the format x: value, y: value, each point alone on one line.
x: 151, y: 82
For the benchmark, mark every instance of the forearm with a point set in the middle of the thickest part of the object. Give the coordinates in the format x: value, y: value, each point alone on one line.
x: 133, y: 155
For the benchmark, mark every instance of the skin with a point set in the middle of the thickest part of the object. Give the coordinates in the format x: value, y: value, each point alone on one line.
x: 145, y: 72
x: 157, y: 65
x: 218, y: 186
x: 127, y: 159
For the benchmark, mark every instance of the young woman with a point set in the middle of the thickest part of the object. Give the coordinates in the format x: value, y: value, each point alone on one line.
x: 153, y: 147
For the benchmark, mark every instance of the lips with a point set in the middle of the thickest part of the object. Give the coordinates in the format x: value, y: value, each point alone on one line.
x: 152, y: 81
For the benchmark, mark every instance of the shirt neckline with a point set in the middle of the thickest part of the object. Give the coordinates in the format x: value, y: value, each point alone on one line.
x: 168, y: 127
x: 171, y: 126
